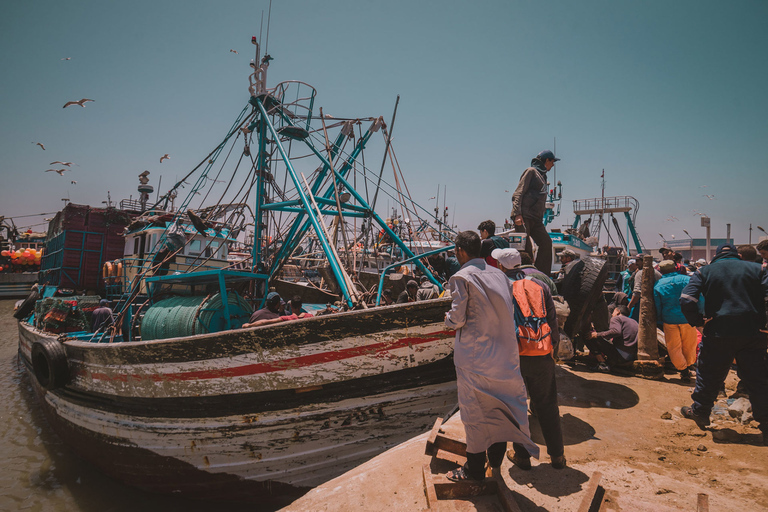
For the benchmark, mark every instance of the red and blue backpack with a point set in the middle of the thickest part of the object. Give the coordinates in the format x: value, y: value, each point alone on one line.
x: 534, y: 336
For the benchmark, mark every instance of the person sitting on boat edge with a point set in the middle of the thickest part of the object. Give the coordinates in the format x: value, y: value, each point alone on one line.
x: 270, y: 310
x: 409, y: 294
x: 102, y: 316
x: 386, y: 297
x: 296, y: 313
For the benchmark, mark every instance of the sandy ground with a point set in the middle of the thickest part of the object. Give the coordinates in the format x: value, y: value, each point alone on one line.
x: 611, y: 424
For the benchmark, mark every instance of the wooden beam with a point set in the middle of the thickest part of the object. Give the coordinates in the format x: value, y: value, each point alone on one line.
x: 593, y: 499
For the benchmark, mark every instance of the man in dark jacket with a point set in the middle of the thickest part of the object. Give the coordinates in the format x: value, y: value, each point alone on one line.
x: 734, y: 293
x: 529, y: 202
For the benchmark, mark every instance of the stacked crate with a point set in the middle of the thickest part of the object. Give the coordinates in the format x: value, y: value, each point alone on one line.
x: 80, y: 240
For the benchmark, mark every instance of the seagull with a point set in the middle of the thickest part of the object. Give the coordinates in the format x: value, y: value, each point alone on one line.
x: 708, y: 196
x: 233, y: 51
x: 702, y: 186
x: 66, y: 58
x: 68, y: 164
x: 672, y: 218
x: 431, y: 198
x: 73, y: 182
x: 214, y: 180
x: 81, y: 102
x: 164, y: 157
x: 60, y: 171
x: 40, y: 144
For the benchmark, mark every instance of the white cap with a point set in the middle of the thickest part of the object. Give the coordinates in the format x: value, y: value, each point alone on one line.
x: 509, y: 258
x: 632, y: 262
x: 701, y: 261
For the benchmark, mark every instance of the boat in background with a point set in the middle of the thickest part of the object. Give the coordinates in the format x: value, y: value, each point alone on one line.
x: 20, y: 255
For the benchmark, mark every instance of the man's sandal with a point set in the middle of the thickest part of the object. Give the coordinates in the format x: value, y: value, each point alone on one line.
x: 460, y: 475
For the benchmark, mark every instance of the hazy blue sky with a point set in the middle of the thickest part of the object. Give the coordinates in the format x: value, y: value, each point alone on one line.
x: 668, y: 97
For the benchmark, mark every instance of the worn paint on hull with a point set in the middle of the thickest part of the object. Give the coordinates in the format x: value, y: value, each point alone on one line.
x: 273, y: 411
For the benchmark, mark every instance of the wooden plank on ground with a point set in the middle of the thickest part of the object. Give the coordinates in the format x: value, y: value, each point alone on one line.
x: 593, y: 498
x: 431, y: 450
x: 506, y: 497
x: 429, y: 488
x: 449, y: 490
x: 450, y: 457
x: 702, y: 503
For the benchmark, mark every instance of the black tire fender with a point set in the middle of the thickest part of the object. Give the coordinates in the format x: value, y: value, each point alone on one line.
x: 49, y: 363
x: 585, y: 295
x: 27, y: 307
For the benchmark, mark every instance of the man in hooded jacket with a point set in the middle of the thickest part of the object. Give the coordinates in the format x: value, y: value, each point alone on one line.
x: 734, y: 294
x: 529, y: 202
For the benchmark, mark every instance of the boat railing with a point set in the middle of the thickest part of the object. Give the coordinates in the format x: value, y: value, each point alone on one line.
x: 403, y: 262
x: 614, y: 204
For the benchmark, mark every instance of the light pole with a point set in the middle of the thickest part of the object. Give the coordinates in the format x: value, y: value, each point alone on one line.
x: 706, y: 224
x: 690, y: 247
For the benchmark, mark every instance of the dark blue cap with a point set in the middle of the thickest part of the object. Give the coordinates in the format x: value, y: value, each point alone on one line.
x: 725, y: 248
x: 273, y: 297
x: 547, y: 155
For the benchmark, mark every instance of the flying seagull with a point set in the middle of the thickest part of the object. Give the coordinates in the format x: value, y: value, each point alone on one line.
x: 66, y: 58
x: 233, y: 51
x: 68, y: 164
x: 164, y: 157
x: 81, y: 102
x: 59, y: 171
x: 40, y: 144
x: 708, y: 196
x: 73, y: 182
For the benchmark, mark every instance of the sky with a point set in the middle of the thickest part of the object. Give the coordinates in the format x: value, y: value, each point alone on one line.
x: 668, y: 98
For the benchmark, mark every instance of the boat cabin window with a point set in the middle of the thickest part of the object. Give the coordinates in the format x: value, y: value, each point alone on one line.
x: 212, y: 250
x: 135, y: 246
x: 194, y: 247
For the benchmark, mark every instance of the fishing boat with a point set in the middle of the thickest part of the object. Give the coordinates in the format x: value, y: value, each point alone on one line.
x: 20, y: 255
x: 175, y: 396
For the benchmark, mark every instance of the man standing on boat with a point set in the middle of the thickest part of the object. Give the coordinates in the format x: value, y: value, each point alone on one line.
x: 492, y: 395
x: 529, y: 202
x: 101, y: 316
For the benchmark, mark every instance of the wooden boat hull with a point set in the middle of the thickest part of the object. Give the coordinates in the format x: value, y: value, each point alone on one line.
x: 258, y: 414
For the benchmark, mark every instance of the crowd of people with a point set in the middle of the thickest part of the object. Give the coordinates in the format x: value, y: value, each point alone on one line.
x: 507, y: 330
x: 712, y: 314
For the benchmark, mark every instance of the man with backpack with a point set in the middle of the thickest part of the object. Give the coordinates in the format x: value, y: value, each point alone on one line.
x: 537, y: 332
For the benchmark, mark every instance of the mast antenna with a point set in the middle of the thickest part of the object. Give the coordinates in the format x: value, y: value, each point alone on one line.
x: 269, y: 19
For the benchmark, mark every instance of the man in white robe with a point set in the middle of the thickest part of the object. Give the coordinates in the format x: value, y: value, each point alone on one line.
x: 492, y: 395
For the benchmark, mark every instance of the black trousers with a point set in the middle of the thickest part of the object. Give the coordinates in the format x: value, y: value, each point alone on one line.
x: 536, y: 231
x: 715, y: 359
x: 475, y: 466
x: 539, y: 376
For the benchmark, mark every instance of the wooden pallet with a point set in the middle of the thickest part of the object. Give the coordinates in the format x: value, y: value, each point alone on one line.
x: 438, y: 487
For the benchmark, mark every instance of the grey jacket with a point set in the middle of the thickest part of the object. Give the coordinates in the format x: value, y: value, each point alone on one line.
x: 530, y: 196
